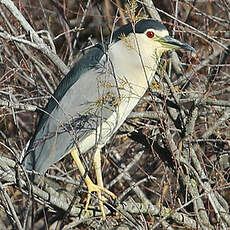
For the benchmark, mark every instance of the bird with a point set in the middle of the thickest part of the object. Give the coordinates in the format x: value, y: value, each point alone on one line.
x: 94, y: 99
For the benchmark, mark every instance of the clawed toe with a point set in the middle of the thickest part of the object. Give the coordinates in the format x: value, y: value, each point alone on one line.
x: 98, y: 189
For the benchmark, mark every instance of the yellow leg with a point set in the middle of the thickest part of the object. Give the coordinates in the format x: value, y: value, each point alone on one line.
x: 90, y: 185
x: 97, y: 167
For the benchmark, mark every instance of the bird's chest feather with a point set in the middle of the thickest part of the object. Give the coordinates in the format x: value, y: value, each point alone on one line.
x: 132, y: 69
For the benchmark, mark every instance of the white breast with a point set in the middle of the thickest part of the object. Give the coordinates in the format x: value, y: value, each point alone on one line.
x: 133, y: 73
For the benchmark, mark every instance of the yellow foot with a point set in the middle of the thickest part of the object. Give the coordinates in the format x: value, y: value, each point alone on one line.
x: 95, y: 188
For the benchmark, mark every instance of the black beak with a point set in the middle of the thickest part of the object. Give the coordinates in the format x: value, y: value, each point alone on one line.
x: 173, y: 43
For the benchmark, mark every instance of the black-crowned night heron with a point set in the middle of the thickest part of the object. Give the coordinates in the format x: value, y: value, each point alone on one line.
x: 96, y: 96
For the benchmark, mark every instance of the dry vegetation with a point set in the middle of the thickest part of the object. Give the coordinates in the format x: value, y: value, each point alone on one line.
x: 168, y: 164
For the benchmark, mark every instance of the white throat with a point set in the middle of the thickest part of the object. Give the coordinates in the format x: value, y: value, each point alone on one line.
x: 134, y: 62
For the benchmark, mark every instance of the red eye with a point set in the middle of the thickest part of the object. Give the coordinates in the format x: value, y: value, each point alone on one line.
x: 150, y: 34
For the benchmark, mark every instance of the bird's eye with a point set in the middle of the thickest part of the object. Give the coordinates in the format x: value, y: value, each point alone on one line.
x: 150, y: 34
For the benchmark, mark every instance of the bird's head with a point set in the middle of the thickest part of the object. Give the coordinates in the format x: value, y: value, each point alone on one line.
x: 149, y: 37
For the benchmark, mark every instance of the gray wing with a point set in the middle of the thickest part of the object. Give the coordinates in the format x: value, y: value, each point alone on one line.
x: 73, y: 113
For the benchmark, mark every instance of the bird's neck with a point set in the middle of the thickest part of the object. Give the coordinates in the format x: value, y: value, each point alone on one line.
x: 132, y: 65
